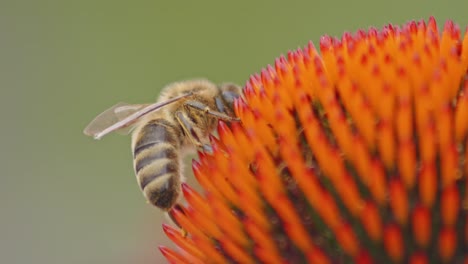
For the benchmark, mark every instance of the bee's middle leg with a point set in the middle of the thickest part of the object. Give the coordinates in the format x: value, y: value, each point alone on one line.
x: 191, y: 133
x: 171, y: 217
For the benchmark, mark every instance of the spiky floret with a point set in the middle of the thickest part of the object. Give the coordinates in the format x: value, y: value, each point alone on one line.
x: 354, y: 154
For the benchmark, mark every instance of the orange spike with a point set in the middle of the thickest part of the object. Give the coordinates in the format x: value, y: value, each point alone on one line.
x: 404, y: 118
x: 269, y: 180
x: 365, y: 121
x: 172, y: 256
x: 439, y: 91
x: 418, y: 258
x: 266, y: 257
x: 261, y: 126
x: 291, y: 154
x: 374, y: 72
x: 264, y: 245
x: 200, y: 172
x: 219, y: 158
x: 447, y: 243
x: 292, y: 223
x: 449, y: 166
x: 386, y: 108
x: 407, y: 163
x: 349, y: 193
x: 432, y: 25
x: 315, y: 136
x: 399, y: 201
x: 454, y: 68
x: 385, y: 143
x: 210, y: 250
x: 284, y: 84
x: 186, y: 223
x: 363, y: 258
x: 450, y: 205
x: 203, y: 223
x: 228, y: 223
x: 255, y: 213
x: 427, y: 139
x: 195, y: 200
x: 378, y: 183
x: 342, y: 129
x: 393, y: 242
x: 329, y: 60
x: 267, y: 79
x: 266, y: 134
x: 447, y: 38
x: 227, y: 137
x: 237, y: 253
x: 240, y: 176
x: 309, y: 76
x: 428, y: 184
x: 362, y: 159
x: 243, y: 143
x: 284, y: 123
x: 371, y: 221
x: 217, y: 144
x: 318, y: 198
x: 347, y: 239
x: 246, y: 186
x: 223, y: 186
x: 444, y: 123
x: 315, y: 255
x: 274, y: 193
x: 421, y: 225
x: 329, y: 210
x: 196, y: 256
x: 461, y: 112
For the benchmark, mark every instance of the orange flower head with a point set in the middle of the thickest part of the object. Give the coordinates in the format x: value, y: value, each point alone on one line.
x: 357, y: 153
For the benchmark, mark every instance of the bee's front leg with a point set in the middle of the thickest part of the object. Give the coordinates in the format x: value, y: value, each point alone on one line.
x: 207, y: 148
x: 199, y: 106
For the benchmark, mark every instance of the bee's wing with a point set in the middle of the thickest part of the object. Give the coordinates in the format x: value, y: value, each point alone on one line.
x: 110, y: 117
x: 121, y: 116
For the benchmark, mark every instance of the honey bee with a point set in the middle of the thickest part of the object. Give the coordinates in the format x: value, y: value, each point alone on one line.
x: 182, y: 119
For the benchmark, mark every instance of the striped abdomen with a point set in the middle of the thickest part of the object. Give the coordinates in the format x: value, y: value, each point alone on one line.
x: 156, y: 162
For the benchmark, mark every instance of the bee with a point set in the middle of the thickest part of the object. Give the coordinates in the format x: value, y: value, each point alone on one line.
x: 183, y: 117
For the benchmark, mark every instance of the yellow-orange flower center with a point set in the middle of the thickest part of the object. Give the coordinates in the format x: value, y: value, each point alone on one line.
x: 355, y: 154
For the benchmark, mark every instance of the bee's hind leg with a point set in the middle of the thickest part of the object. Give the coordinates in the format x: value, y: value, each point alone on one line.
x: 170, y: 215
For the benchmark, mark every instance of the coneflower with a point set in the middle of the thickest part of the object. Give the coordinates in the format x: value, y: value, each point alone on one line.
x: 354, y: 154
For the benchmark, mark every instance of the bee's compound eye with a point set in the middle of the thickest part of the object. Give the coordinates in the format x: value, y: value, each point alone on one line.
x: 229, y: 96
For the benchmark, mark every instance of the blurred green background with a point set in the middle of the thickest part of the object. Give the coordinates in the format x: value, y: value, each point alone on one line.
x: 66, y: 198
